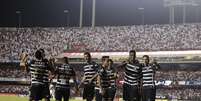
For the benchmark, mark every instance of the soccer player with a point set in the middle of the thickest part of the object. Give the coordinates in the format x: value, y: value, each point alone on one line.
x: 90, y: 69
x: 131, y: 78
x: 104, y: 80
x: 112, y: 76
x: 148, y: 78
x: 46, y: 93
x: 39, y: 68
x: 98, y: 93
x: 63, y: 74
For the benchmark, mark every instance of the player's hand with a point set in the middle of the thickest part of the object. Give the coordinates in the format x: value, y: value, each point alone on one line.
x: 103, y: 92
x: 77, y: 92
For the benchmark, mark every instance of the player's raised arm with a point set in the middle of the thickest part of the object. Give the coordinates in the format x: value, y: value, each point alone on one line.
x: 51, y: 63
x: 94, y: 77
x: 82, y: 81
x: 24, y: 61
x: 122, y: 65
x: 99, y: 84
x: 53, y: 75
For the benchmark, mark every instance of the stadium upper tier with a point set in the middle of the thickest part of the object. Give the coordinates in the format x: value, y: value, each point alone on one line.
x: 117, y: 38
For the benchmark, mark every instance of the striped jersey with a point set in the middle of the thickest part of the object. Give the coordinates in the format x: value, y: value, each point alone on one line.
x: 112, y: 77
x: 90, y: 69
x: 148, y: 73
x: 104, y: 78
x: 132, y: 73
x: 39, y: 71
x: 64, y: 73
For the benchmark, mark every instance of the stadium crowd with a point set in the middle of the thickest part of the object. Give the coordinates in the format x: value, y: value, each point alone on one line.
x: 183, y: 94
x: 178, y: 75
x: 121, y: 38
x: 13, y: 73
x: 14, y: 89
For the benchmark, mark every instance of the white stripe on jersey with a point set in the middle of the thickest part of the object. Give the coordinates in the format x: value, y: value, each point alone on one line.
x: 88, y: 69
x: 133, y: 66
x: 37, y: 82
x: 131, y: 77
x: 147, y: 70
x: 89, y: 73
x: 147, y: 74
x: 132, y: 69
x: 135, y: 84
x: 37, y: 65
x: 147, y: 81
x: 36, y: 69
x: 131, y: 81
x: 148, y: 78
x: 148, y: 84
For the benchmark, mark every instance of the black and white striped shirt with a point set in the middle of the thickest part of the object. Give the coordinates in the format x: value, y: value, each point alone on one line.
x: 39, y: 71
x: 90, y: 69
x: 148, y: 73
x: 104, y: 78
x: 112, y: 77
x: 64, y: 73
x: 132, y: 73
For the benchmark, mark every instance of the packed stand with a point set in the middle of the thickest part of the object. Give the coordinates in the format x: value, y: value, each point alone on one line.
x: 178, y: 75
x: 182, y: 94
x: 13, y: 73
x: 14, y: 89
x: 121, y: 38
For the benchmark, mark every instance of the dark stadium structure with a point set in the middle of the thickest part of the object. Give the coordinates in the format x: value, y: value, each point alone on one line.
x: 53, y: 13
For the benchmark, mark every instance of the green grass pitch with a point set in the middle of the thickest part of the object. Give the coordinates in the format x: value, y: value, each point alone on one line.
x: 17, y: 98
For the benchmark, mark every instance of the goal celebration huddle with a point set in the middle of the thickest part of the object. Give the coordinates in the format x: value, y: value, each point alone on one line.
x: 98, y: 81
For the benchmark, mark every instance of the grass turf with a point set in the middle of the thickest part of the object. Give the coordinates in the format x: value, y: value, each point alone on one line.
x: 17, y: 98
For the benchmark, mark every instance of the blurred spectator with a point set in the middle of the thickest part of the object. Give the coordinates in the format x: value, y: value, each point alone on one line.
x: 178, y: 75
x: 180, y: 94
x: 14, y: 89
x: 13, y: 73
x: 118, y: 38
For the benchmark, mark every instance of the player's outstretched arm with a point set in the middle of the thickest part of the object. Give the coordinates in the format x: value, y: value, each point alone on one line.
x: 76, y: 84
x: 82, y: 81
x: 122, y: 65
x: 24, y: 62
x: 95, y: 76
